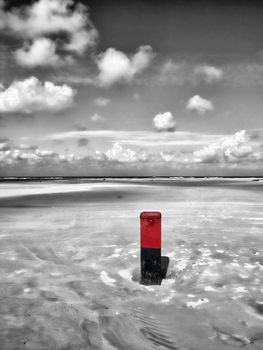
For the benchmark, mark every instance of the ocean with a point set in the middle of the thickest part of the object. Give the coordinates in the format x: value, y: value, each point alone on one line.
x: 70, y: 262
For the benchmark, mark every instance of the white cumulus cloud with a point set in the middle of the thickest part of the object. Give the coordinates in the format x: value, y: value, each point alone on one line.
x: 120, y: 154
x: 33, y: 157
x: 41, y: 52
x: 230, y: 148
x: 30, y: 95
x: 210, y: 74
x: 50, y: 17
x: 199, y: 105
x: 164, y: 122
x: 116, y: 66
x: 81, y: 40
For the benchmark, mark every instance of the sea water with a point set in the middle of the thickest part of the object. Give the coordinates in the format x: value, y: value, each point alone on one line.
x: 70, y: 254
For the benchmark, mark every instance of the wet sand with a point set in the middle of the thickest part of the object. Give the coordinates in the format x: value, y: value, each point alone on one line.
x: 69, y: 260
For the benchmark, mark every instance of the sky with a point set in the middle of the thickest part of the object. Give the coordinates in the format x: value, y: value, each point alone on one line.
x: 131, y: 88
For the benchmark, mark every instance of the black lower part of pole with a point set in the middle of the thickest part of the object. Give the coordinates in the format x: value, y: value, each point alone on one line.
x: 151, y: 267
x: 164, y: 265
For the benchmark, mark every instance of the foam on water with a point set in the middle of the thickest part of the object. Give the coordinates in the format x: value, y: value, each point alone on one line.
x: 126, y: 274
x: 107, y: 279
x: 12, y: 190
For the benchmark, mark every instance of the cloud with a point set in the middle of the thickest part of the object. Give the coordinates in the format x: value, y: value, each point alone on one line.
x: 167, y: 157
x: 102, y: 101
x: 74, y: 79
x: 42, y: 52
x: 82, y: 40
x: 32, y: 157
x: 229, y: 148
x: 96, y: 118
x: 172, y: 73
x: 181, y: 72
x: 140, y: 138
x: 115, y: 66
x: 120, y: 154
x: 199, y: 105
x: 2, y: 17
x: 4, y: 146
x: 164, y: 122
x: 27, y: 147
x: 46, y: 18
x: 227, y: 155
x: 29, y: 95
x: 210, y: 74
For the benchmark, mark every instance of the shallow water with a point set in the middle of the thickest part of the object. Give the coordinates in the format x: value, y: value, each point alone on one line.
x: 69, y: 260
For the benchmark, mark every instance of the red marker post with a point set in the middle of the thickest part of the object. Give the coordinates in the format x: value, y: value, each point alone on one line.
x: 153, y: 265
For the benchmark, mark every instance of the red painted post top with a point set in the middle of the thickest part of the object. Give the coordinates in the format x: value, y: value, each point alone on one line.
x: 150, y: 229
